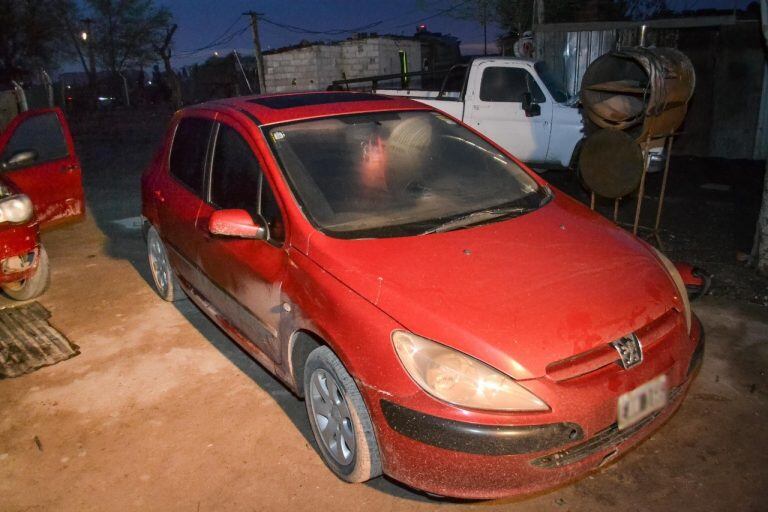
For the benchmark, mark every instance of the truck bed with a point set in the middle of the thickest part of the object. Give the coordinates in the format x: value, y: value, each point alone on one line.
x: 418, y: 94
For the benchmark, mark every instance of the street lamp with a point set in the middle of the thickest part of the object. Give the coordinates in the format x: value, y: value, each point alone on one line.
x: 84, y: 35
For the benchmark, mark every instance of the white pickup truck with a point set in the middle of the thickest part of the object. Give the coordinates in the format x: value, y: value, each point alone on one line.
x: 515, y: 102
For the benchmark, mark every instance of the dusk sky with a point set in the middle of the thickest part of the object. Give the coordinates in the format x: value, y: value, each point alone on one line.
x: 202, y: 22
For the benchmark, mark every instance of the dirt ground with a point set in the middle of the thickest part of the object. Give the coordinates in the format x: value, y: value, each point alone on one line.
x: 161, y: 411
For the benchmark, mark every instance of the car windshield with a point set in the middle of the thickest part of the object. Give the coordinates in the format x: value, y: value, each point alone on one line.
x: 398, y: 174
x: 553, y: 84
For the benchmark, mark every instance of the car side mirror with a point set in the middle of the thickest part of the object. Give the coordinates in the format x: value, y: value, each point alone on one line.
x: 531, y: 108
x: 237, y: 224
x: 19, y: 158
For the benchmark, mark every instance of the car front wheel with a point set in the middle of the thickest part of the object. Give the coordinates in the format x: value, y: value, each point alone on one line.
x: 34, y: 285
x: 339, y: 419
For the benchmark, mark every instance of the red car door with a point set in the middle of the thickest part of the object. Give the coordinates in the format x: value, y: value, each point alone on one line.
x: 37, y: 154
x: 179, y: 192
x: 246, y: 275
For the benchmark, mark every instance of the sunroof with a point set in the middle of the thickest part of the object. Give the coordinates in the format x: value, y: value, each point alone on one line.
x: 308, y: 100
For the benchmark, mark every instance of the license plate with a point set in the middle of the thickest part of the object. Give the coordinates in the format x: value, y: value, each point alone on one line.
x: 642, y: 401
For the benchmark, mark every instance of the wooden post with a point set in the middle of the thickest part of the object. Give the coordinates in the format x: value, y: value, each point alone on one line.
x: 663, y: 184
x: 641, y: 190
x: 257, y: 48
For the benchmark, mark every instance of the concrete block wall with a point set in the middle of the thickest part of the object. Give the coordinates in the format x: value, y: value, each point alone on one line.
x: 313, y: 68
x: 301, y: 69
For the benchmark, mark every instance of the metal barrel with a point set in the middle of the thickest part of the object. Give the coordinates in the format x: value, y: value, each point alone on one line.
x: 641, y: 91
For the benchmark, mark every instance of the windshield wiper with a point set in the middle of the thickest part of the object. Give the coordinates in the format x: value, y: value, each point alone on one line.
x: 479, y: 217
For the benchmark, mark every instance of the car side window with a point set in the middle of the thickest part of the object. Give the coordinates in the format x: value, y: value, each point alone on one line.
x: 501, y: 84
x: 238, y: 182
x: 43, y: 135
x: 190, y: 145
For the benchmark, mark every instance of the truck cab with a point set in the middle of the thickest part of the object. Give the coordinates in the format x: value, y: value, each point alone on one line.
x: 517, y: 103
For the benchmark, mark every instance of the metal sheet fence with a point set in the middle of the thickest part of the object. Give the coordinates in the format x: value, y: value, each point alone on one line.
x: 569, y: 53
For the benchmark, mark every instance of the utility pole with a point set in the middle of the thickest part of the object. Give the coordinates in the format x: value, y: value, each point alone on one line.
x: 485, y: 27
x: 257, y: 47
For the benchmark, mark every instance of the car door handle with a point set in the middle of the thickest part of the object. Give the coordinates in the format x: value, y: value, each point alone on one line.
x: 69, y: 168
x: 159, y: 196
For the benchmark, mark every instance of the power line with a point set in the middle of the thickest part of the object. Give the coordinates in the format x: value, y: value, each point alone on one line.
x: 226, y: 37
x: 342, y: 31
x: 331, y: 32
x: 435, y: 15
x: 221, y: 40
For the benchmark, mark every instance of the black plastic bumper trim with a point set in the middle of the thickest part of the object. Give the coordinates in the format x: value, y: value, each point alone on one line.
x: 478, y: 439
x: 608, y: 438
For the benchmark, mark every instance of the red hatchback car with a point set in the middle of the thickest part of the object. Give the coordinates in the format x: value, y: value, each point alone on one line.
x: 449, y: 318
x: 40, y: 187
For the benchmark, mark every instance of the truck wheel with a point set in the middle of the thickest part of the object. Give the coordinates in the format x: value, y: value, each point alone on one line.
x: 166, y: 284
x: 34, y: 285
x: 339, y: 419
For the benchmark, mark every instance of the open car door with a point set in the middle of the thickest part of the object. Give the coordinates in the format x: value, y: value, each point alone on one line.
x: 37, y: 154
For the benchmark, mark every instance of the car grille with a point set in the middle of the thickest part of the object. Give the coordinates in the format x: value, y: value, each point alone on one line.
x: 607, y: 438
x: 603, y: 355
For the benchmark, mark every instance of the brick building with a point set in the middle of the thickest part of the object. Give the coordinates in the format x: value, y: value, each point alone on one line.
x: 312, y: 67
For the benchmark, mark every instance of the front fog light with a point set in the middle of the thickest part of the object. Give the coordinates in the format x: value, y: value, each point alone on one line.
x: 459, y: 379
x: 15, y: 209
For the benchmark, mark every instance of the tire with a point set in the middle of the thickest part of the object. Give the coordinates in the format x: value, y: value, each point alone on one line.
x: 35, y: 285
x: 343, y: 431
x: 166, y: 283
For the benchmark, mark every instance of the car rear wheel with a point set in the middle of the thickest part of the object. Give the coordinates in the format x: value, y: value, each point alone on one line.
x: 340, y: 421
x: 34, y: 285
x: 166, y: 284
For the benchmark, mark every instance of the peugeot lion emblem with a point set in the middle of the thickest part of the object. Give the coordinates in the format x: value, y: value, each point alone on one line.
x: 630, y: 350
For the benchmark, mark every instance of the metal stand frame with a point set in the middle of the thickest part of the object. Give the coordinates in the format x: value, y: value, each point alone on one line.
x: 641, y: 192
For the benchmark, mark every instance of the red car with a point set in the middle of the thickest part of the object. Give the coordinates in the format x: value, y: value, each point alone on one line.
x: 40, y: 187
x: 450, y: 319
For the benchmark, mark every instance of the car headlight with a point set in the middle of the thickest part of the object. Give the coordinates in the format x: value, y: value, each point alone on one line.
x: 679, y: 284
x: 15, y: 209
x: 459, y: 379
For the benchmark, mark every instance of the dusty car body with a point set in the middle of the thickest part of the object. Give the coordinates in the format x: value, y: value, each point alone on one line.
x: 478, y: 354
x: 40, y: 188
x: 20, y: 246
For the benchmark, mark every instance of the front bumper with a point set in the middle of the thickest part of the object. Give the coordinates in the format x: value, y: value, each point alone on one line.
x: 479, y: 461
x: 18, y: 252
x: 478, y: 439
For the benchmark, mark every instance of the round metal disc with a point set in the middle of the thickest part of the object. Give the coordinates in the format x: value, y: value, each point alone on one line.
x: 611, y: 163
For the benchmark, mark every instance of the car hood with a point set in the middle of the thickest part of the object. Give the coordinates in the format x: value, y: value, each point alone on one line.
x: 517, y: 294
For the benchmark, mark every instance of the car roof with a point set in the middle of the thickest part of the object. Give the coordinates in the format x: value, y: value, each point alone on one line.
x: 279, y: 108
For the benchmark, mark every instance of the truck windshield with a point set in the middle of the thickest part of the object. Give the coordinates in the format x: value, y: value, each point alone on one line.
x: 398, y: 174
x: 553, y: 83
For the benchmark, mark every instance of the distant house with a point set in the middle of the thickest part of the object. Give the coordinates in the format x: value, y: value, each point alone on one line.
x: 313, y: 66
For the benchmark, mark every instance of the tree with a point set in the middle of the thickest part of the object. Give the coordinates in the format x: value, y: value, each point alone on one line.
x: 164, y: 51
x: 760, y: 249
x: 126, y: 31
x: 644, y: 9
x: 31, y: 36
x: 120, y: 33
x: 519, y: 15
x: 480, y: 11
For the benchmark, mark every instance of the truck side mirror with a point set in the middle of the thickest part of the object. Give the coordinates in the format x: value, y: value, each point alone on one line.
x: 531, y: 108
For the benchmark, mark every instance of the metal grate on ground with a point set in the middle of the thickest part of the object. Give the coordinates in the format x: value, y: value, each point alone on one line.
x: 28, y: 342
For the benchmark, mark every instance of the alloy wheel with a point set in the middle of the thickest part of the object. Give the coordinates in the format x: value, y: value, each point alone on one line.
x: 330, y: 413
